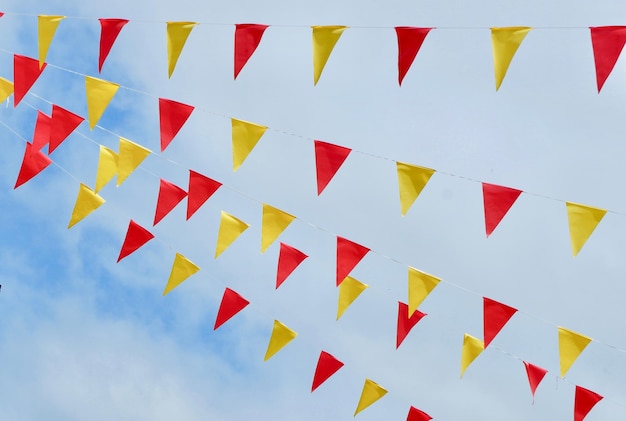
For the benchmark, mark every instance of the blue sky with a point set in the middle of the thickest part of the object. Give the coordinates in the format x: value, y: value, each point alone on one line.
x: 86, y: 338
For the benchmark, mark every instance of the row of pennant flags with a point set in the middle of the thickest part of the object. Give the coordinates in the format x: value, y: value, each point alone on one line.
x: 607, y: 43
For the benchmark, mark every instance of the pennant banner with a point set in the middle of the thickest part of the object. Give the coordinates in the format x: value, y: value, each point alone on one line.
x: 289, y: 258
x: 420, y: 285
x: 107, y: 167
x: 87, y: 201
x: 201, y: 188
x: 281, y: 336
x: 584, y: 401
x: 607, y: 42
x: 247, y: 39
x: 109, y: 30
x: 472, y: 347
x: 245, y: 137
x: 177, y: 33
x: 274, y: 222
x: 571, y: 345
x: 62, y: 124
x: 406, y: 322
x: 6, y: 89
x: 495, y: 316
x: 26, y: 71
x: 182, y: 269
x: 411, y: 181
x: 349, y: 290
x: 230, y: 229
x: 324, y: 40
x: 535, y: 375
x: 170, y: 195
x: 136, y: 237
x: 99, y: 95
x: 417, y: 415
x: 131, y: 155
x: 47, y: 26
x: 328, y: 160
x: 41, y: 135
x: 410, y: 40
x: 371, y: 393
x: 33, y: 163
x: 232, y: 303
x: 497, y: 201
x: 172, y: 117
x: 349, y: 254
x: 327, y: 365
x: 505, y: 42
x: 582, y: 221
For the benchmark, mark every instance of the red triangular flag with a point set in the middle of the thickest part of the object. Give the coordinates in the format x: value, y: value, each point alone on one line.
x: 136, y: 236
x: 108, y: 34
x: 289, y: 258
x: 33, y: 163
x: 584, y: 401
x: 170, y: 195
x: 328, y: 160
x: 495, y: 316
x: 417, y: 415
x: 327, y: 365
x: 62, y: 124
x: 41, y: 136
x: 247, y: 39
x: 535, y: 376
x: 607, y: 42
x: 349, y: 254
x: 410, y: 40
x: 406, y: 323
x: 201, y: 188
x: 497, y: 200
x: 172, y: 117
x: 26, y: 71
x: 232, y: 303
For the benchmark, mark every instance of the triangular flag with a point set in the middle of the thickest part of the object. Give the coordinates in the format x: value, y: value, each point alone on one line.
x: 62, y: 124
x: 535, y: 376
x: 497, y: 201
x: 47, y: 26
x: 372, y: 392
x: 274, y: 222
x: 41, y: 135
x: 324, y: 40
x: 349, y: 290
x: 607, y: 42
x: 410, y: 40
x: 6, y: 89
x: 177, y: 33
x: 110, y: 29
x: 131, y: 155
x: 107, y: 167
x: 247, y: 39
x: 406, y: 323
x: 26, y: 71
x: 571, y: 345
x: 328, y: 160
x: 170, y: 195
x: 281, y: 336
x: 411, y: 181
x: 349, y: 254
x: 136, y: 236
x: 245, y: 137
x: 417, y: 415
x: 584, y: 401
x: 201, y: 188
x: 87, y: 201
x: 505, y: 42
x: 33, y: 163
x: 289, y: 258
x: 230, y: 229
x: 472, y: 347
x: 495, y: 316
x: 99, y: 95
x: 172, y: 117
x: 232, y: 303
x: 582, y: 221
x: 420, y: 285
x: 182, y: 269
x: 327, y: 365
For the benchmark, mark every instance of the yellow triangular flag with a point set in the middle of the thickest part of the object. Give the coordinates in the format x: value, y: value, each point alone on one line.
x: 571, y: 344
x: 505, y: 42
x: 582, y: 221
x: 472, y: 347
x: 177, y: 33
x: 107, y: 167
x: 99, y: 94
x: 6, y: 89
x: 86, y: 202
x: 281, y: 336
x: 230, y: 229
x: 130, y: 156
x: 372, y: 391
x: 245, y: 137
x: 349, y: 290
x: 420, y: 285
x: 324, y: 40
x: 47, y: 27
x: 182, y: 269
x: 411, y: 180
x: 274, y: 222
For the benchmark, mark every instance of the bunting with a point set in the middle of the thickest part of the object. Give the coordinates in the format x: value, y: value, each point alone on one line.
x: 584, y: 401
x: 107, y: 167
x: 495, y: 316
x: 349, y: 254
x: 99, y: 95
x: 201, y: 188
x: 417, y: 415
x: 328, y: 160
x: 33, y: 163
x: 289, y: 258
x: 372, y: 392
x: 472, y: 348
x: 172, y: 117
x: 281, y: 336
x: 26, y: 71
x: 232, y: 303
x: 324, y: 40
x: 6, y: 89
x: 230, y: 229
x: 497, y: 201
x: 62, y: 124
x: 349, y: 290
x: 170, y: 195
x: 41, y: 135
x: 327, y: 365
x: 182, y: 268
x: 420, y: 285
x: 177, y: 33
x: 109, y: 30
x: 47, y: 26
x: 87, y: 201
x: 410, y: 40
x: 245, y: 137
x: 274, y: 222
x: 247, y: 39
x: 607, y: 42
x: 535, y: 374
x: 411, y: 181
x: 505, y: 42
x: 136, y: 237
x: 131, y: 155
x: 406, y: 322
x: 571, y: 345
x: 582, y: 221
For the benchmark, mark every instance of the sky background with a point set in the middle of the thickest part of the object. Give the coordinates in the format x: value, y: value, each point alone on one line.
x: 85, y: 338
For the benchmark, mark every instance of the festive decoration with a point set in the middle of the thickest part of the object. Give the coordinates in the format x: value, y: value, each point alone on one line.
x: 417, y: 415
x: 505, y: 42
x: 109, y: 30
x: 495, y: 316
x: 177, y: 33
x: 232, y: 303
x: 497, y: 201
x: 327, y: 365
x: 247, y: 39
x: 245, y: 137
x: 47, y: 26
x: 371, y: 393
x: 136, y: 236
x: 281, y: 336
x: 324, y: 40
x: 26, y: 71
x: 406, y: 322
x: 472, y: 347
x: 201, y: 188
x: 289, y: 258
x: 87, y: 201
x: 131, y: 155
x: 274, y: 222
x: 411, y: 181
x: 41, y: 135
x: 6, y: 89
x: 230, y: 229
x: 584, y: 401
x: 33, y: 163
x: 62, y: 124
x: 582, y: 221
x: 172, y: 117
x: 349, y: 290
x: 571, y: 345
x: 535, y: 375
x: 328, y: 160
x: 410, y: 40
x: 99, y: 95
x: 349, y: 254
x: 420, y: 285
x: 182, y: 269
x: 170, y: 195
x: 107, y: 167
x: 607, y: 42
